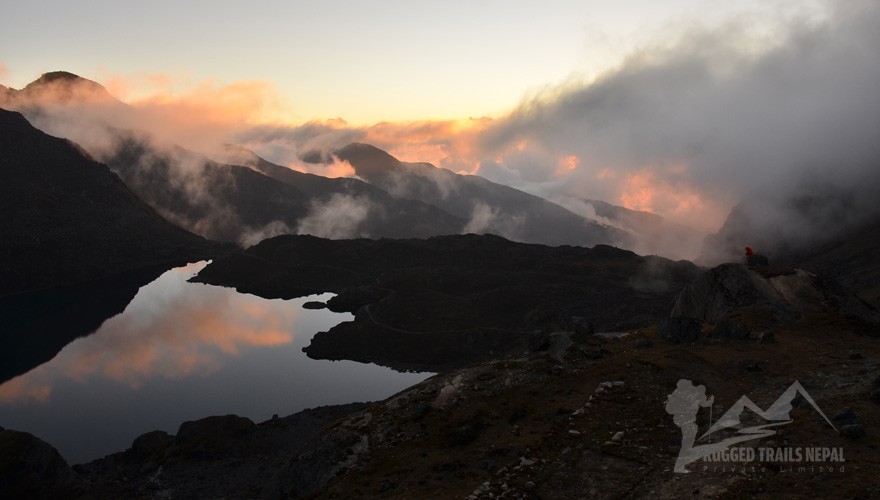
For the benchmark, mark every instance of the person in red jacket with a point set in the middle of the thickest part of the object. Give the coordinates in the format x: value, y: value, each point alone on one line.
x: 753, y: 259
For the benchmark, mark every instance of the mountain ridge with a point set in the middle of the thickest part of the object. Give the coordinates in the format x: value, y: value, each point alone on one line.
x: 68, y: 218
x: 489, y: 207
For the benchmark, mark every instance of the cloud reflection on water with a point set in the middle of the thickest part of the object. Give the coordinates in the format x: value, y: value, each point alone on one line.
x: 172, y: 329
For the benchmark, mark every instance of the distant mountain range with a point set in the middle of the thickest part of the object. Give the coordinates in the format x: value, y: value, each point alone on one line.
x: 244, y: 198
x: 651, y: 233
x: 488, y: 207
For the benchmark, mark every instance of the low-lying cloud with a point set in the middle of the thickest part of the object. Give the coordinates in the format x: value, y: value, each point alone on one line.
x: 338, y: 217
x: 488, y: 219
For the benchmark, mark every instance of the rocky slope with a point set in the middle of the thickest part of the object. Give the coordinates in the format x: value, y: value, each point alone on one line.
x: 581, y: 416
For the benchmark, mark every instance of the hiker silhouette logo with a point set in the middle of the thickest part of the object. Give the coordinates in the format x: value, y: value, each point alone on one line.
x: 685, y: 402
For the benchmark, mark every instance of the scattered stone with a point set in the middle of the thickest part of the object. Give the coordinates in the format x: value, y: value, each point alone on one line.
x: 730, y: 330
x: 768, y: 337
x: 530, y: 484
x: 603, y: 386
x: 525, y: 462
x: 313, y: 304
x: 574, y: 432
x: 617, y: 436
x: 559, y: 342
x: 679, y: 329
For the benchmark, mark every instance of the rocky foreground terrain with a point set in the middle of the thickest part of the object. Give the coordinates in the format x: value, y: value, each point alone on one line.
x: 566, y: 413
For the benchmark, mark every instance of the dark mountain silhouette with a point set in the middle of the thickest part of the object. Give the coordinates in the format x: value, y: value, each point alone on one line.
x: 489, y: 207
x: 68, y: 218
x: 249, y: 203
x: 227, y: 201
x: 389, y: 217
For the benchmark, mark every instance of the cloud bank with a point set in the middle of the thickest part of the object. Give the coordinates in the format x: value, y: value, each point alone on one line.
x: 682, y: 128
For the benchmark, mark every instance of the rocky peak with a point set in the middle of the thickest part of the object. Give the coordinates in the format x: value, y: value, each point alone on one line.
x: 777, y: 292
x: 62, y: 87
x: 367, y: 160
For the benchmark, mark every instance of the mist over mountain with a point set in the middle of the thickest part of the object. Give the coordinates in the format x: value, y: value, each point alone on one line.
x: 225, y: 201
x: 68, y: 218
x: 789, y: 225
x: 651, y: 233
x: 384, y: 215
x: 488, y: 207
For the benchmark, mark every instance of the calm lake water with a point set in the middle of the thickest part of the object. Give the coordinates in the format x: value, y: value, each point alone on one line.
x: 182, y: 351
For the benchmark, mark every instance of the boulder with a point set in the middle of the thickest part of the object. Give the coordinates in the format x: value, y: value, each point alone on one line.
x: 726, y: 288
x: 31, y: 468
x: 149, y: 446
x: 213, y: 437
x: 679, y: 329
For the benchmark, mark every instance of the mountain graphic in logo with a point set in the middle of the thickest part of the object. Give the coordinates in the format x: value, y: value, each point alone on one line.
x: 778, y: 412
x: 685, y: 401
